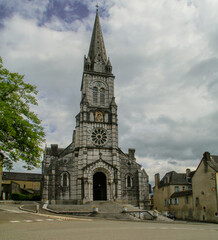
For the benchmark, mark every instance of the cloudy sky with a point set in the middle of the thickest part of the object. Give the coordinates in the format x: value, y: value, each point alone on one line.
x: 165, y: 58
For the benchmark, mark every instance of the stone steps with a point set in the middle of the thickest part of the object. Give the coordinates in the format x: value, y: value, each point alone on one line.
x: 106, y: 209
x: 103, y: 207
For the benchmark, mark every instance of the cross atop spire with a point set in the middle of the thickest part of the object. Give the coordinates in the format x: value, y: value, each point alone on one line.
x: 97, y: 7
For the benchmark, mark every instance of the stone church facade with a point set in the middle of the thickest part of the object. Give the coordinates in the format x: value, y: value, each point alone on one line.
x: 93, y: 167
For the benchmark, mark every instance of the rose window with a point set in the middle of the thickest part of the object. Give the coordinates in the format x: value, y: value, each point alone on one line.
x: 99, y: 136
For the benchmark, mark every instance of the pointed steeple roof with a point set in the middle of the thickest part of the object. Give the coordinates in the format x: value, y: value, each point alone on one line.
x: 97, y: 48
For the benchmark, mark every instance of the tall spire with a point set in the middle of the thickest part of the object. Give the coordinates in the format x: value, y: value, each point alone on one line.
x: 97, y: 60
x: 97, y: 50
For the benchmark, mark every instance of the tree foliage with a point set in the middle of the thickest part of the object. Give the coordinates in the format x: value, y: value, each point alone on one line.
x: 21, y: 133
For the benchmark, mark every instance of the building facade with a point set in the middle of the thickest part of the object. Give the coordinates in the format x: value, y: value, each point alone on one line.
x: 93, y: 167
x: 173, y: 194
x: 205, y: 193
x: 16, y: 182
x: 190, y: 196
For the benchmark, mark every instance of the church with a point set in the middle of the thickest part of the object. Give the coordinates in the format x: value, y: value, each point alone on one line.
x: 93, y: 167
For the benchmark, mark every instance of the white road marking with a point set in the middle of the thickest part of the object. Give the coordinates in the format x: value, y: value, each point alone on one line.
x: 39, y: 220
x: 150, y: 228
x: 61, y: 217
x: 13, y: 211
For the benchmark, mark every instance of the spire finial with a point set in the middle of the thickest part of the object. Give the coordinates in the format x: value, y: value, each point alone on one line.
x: 97, y: 6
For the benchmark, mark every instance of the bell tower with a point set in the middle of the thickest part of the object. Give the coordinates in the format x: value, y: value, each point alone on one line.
x: 96, y: 132
x: 96, y: 126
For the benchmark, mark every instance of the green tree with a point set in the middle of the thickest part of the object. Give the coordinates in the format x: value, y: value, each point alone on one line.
x: 21, y: 133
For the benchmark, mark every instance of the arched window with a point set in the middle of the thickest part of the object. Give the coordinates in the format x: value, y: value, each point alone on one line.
x: 95, y: 95
x: 65, y: 179
x: 102, y: 96
x: 129, y: 181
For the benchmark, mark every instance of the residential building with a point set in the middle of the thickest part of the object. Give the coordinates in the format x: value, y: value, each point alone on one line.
x: 15, y: 182
x: 181, y: 205
x: 205, y: 192
x: 190, y: 196
x: 172, y: 192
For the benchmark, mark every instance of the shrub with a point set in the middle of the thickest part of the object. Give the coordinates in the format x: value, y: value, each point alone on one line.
x: 15, y: 196
x: 36, y: 197
x: 25, y: 197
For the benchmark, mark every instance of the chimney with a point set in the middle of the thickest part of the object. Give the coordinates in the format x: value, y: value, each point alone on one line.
x: 54, y: 149
x: 132, y: 153
x: 206, y: 156
x: 157, y: 179
x: 206, y: 159
x: 188, y: 171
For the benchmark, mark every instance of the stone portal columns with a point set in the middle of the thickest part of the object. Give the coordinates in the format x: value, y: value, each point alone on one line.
x: 111, y: 180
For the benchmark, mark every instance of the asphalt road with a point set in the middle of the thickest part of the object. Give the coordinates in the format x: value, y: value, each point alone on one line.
x: 18, y: 225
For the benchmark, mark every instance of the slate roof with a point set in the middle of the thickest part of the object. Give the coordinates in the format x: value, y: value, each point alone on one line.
x: 174, y: 178
x: 32, y: 177
x: 214, y: 162
x: 181, y: 194
x: 192, y: 174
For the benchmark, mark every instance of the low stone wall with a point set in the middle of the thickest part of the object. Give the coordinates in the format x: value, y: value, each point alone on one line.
x: 143, y: 215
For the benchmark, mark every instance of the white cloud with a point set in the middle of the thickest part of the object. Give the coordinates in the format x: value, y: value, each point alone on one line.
x: 164, y: 55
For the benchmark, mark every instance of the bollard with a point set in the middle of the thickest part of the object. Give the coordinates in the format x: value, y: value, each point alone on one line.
x: 95, y: 210
x: 37, y: 208
x: 124, y: 209
x: 155, y: 213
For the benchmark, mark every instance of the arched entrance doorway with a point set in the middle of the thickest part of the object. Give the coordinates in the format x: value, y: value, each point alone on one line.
x: 99, y: 186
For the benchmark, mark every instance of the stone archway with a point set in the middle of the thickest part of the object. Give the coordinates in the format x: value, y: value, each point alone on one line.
x: 99, y: 186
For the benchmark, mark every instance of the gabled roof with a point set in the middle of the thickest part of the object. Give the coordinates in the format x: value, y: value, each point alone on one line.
x: 211, y: 160
x: 181, y: 194
x: 32, y: 177
x: 214, y: 162
x: 97, y: 161
x: 174, y: 178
